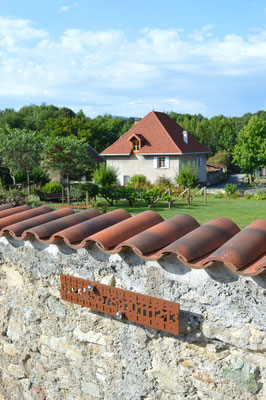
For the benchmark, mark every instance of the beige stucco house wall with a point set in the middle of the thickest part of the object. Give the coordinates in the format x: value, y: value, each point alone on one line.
x: 148, y: 165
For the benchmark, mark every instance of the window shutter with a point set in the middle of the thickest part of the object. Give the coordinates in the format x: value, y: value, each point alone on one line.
x: 167, y: 162
x: 155, y: 162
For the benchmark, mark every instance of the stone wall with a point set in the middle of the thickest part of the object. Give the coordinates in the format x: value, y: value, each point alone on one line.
x: 54, y: 350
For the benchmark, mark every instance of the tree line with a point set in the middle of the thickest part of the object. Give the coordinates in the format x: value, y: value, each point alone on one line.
x: 237, y: 142
x: 53, y: 121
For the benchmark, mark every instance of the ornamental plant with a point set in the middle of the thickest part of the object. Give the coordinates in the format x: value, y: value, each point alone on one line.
x: 188, y: 176
x: 105, y: 176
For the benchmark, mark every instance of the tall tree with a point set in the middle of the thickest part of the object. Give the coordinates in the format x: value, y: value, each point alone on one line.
x: 68, y: 155
x: 250, y: 149
x: 20, y: 150
x: 11, y: 118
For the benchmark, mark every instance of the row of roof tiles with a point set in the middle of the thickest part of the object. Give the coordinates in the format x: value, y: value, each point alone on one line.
x: 147, y: 234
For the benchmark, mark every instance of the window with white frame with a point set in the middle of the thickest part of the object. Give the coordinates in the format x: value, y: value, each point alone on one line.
x: 161, y: 162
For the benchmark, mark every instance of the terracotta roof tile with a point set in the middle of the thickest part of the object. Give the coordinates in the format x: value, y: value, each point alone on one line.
x: 113, y: 236
x: 46, y: 232
x: 160, y: 135
x: 147, y: 234
x: 5, y: 206
x: 16, y: 230
x: 203, y: 240
x: 243, y: 249
x: 22, y: 216
x: 11, y: 211
x: 146, y: 243
x: 78, y: 235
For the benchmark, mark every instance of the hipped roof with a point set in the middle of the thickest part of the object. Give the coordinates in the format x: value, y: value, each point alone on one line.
x: 161, y: 135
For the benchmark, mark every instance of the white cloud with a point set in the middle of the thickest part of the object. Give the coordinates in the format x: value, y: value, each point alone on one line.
x: 64, y: 8
x: 161, y: 68
x: 15, y: 32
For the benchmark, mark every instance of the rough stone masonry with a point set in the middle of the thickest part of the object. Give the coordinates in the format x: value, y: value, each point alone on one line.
x: 54, y: 350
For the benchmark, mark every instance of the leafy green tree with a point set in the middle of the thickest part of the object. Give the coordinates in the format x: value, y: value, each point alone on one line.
x: 250, y: 149
x: 222, y: 158
x: 20, y: 150
x: 11, y: 118
x: 68, y: 155
x: 34, y: 117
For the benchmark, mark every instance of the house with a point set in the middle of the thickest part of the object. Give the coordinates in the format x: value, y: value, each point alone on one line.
x: 156, y: 146
x: 216, y: 173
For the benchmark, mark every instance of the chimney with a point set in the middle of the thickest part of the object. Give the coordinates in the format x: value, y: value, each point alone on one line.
x: 137, y: 120
x: 185, y: 137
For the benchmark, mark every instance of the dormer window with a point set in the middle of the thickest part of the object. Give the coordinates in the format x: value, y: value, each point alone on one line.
x: 135, y: 140
x: 135, y: 145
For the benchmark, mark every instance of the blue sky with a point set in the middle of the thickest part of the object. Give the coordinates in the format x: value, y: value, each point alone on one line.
x: 128, y: 57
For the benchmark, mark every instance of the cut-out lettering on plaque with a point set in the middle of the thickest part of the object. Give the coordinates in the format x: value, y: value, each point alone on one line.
x: 122, y: 304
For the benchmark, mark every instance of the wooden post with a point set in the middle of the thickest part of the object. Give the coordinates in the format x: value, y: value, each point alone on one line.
x: 87, y: 200
x: 188, y: 197
x: 205, y: 195
x: 28, y: 183
x: 63, y: 195
x: 169, y: 198
x: 68, y: 190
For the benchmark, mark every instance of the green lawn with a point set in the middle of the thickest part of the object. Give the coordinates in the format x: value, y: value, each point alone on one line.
x: 241, y: 211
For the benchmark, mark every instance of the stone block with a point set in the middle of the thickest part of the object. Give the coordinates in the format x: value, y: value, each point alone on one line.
x: 243, y: 375
x: 90, y: 389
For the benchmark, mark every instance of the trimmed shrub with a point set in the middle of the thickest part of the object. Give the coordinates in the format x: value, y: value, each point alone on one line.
x: 52, y: 187
x: 138, y: 181
x: 90, y: 188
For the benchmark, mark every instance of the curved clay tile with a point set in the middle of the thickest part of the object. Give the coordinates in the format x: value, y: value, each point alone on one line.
x: 44, y: 232
x: 16, y: 230
x: 74, y: 235
x: 24, y: 215
x: 254, y: 268
x: 5, y: 206
x: 203, y: 240
x: 13, y: 210
x: 146, y: 243
x: 244, y: 249
x: 110, y: 237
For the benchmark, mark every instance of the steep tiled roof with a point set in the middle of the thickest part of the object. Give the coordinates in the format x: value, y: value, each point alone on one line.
x: 147, y: 234
x: 161, y: 135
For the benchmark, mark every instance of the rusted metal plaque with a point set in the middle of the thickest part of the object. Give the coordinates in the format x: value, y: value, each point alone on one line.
x: 122, y: 304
